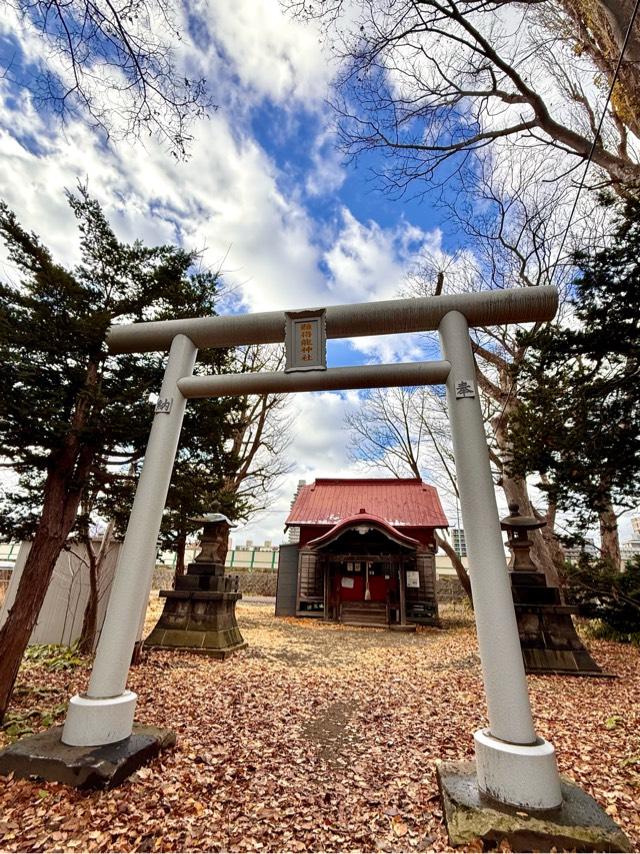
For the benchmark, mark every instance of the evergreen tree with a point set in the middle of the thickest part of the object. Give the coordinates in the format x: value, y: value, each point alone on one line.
x: 73, y: 417
x: 199, y: 481
x: 608, y: 594
x: 578, y: 423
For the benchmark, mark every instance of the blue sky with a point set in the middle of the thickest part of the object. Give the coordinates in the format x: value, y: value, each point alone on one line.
x: 265, y: 197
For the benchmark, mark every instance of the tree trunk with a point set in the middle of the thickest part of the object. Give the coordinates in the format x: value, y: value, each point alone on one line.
x: 515, y: 488
x: 90, y: 620
x: 461, y: 572
x: 619, y: 13
x: 221, y: 546
x: 549, y: 533
x: 66, y: 475
x: 181, y: 546
x: 609, y: 539
x: 96, y: 562
x: 553, y: 546
x: 600, y: 27
x: 58, y: 515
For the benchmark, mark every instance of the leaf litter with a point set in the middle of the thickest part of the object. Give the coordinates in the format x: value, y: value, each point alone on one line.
x: 318, y: 737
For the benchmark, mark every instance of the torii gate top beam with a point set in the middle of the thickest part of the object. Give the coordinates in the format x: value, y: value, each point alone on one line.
x: 487, y: 308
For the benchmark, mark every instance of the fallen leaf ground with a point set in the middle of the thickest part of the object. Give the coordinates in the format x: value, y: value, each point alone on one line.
x: 318, y: 738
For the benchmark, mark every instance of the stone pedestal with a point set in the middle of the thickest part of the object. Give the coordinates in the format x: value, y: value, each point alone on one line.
x: 549, y: 641
x: 200, y: 614
x: 44, y: 756
x: 578, y: 824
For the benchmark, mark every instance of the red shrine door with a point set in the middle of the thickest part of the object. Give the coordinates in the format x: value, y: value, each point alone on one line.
x: 352, y: 580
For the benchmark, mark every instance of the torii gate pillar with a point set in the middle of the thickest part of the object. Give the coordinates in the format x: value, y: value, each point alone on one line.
x: 104, y: 714
x: 513, y: 765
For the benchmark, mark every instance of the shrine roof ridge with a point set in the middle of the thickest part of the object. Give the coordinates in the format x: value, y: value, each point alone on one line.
x: 405, y: 502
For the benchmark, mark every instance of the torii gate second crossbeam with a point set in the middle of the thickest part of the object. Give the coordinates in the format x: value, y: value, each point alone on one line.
x: 514, y: 765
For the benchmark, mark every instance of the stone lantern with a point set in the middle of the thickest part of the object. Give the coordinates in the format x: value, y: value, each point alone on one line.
x: 549, y: 641
x: 517, y: 528
x: 200, y: 614
x: 214, y: 539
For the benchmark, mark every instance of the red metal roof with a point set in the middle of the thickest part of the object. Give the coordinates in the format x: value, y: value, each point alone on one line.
x: 400, y: 502
x: 368, y: 520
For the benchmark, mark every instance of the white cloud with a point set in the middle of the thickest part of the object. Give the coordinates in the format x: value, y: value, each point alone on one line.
x: 230, y: 201
x: 328, y: 173
x: 368, y: 261
x: 250, y: 49
x: 226, y: 200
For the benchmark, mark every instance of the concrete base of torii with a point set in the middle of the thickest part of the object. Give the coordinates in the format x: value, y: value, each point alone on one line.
x: 578, y: 824
x: 44, y: 756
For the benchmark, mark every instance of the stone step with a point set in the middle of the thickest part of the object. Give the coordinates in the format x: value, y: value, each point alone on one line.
x: 364, y: 613
x: 205, y: 569
x: 206, y: 582
x: 536, y: 608
x: 360, y: 624
x: 527, y: 579
x: 373, y: 614
x: 365, y: 606
x: 201, y: 595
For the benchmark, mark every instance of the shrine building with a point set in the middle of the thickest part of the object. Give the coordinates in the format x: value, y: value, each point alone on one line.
x: 365, y: 555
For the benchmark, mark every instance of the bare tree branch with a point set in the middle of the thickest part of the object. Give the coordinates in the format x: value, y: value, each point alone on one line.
x: 429, y: 83
x: 114, y: 65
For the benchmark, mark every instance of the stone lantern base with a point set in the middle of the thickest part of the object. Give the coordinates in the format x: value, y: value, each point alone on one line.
x: 200, y: 614
x: 549, y: 641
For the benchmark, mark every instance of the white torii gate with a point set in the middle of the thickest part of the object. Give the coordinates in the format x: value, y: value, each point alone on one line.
x: 514, y: 765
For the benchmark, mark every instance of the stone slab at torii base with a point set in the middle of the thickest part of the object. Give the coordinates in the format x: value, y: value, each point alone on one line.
x: 45, y: 757
x: 200, y: 614
x: 579, y: 824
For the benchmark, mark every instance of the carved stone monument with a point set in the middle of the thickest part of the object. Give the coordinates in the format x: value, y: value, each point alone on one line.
x: 549, y: 641
x: 200, y: 614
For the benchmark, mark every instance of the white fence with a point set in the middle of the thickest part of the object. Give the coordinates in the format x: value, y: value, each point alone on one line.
x: 61, y: 615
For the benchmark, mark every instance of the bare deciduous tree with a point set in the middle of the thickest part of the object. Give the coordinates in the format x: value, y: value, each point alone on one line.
x: 260, y: 435
x: 431, y: 83
x: 498, y: 354
x: 114, y: 64
x: 498, y: 100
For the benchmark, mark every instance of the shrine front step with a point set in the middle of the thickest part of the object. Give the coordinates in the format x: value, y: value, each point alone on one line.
x: 364, y: 614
